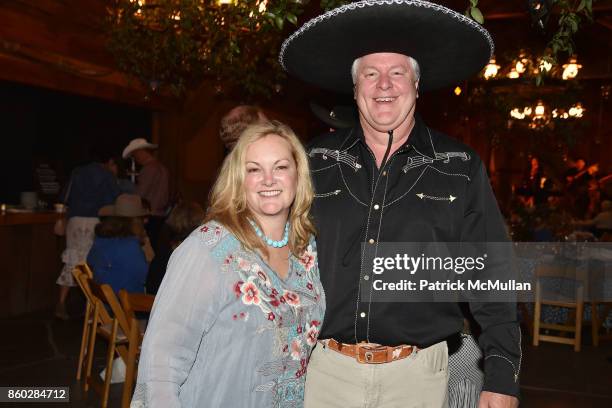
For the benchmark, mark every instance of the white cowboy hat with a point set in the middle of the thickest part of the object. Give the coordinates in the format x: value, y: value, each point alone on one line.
x: 136, y: 144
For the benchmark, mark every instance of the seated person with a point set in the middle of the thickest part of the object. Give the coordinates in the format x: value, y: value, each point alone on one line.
x: 183, y: 219
x: 601, y: 224
x: 116, y: 256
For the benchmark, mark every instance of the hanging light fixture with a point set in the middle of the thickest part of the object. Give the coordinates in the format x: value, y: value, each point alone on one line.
x: 521, y: 63
x: 457, y: 91
x: 544, y: 66
x: 263, y: 5
x: 570, y: 70
x: 539, y: 110
x: 576, y: 111
x: 513, y: 74
x: 540, y: 115
x: 491, y: 69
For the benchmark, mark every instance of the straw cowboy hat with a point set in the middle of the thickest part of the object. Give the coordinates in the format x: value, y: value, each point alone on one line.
x: 136, y: 144
x: 448, y: 46
x: 126, y: 205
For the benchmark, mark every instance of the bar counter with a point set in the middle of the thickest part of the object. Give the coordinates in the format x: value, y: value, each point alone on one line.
x: 29, y: 262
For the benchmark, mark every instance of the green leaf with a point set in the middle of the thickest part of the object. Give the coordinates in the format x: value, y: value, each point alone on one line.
x: 474, y: 3
x: 280, y: 22
x: 477, y: 15
x: 581, y: 5
x: 292, y: 18
x: 574, y: 25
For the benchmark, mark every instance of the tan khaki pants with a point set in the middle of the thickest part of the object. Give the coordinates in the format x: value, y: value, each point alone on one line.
x: 335, y: 380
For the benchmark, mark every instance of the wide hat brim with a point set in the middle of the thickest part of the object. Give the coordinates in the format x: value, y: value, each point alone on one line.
x: 126, y: 205
x: 116, y: 211
x: 135, y: 145
x: 340, y: 117
x: 448, y: 46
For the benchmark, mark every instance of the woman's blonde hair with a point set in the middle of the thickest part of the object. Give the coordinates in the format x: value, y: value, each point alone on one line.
x: 228, y: 204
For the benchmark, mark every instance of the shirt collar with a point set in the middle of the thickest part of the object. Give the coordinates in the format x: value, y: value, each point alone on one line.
x: 419, y: 140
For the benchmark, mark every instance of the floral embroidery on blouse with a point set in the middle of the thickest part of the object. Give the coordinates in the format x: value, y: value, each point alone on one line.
x: 284, y: 309
x: 239, y: 317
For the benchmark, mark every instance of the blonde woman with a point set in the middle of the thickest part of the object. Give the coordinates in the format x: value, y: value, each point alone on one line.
x: 241, y: 304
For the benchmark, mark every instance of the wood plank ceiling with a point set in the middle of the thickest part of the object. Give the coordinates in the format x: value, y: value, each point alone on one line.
x: 60, y: 44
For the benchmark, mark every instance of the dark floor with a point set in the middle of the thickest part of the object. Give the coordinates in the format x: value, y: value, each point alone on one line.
x: 37, y: 350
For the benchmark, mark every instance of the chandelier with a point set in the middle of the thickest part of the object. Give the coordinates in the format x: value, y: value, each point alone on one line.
x: 541, y: 115
x: 527, y: 67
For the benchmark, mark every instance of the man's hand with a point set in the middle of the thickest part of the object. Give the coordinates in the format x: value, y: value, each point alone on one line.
x: 493, y: 400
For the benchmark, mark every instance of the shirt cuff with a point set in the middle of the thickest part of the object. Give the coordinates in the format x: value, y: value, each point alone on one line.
x: 501, y: 376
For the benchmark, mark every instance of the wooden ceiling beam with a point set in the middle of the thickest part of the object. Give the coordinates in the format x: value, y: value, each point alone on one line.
x: 61, y: 45
x: 55, y: 36
x: 35, y: 73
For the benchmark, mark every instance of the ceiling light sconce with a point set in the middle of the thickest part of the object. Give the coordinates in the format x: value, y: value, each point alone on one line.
x: 513, y: 74
x: 540, y: 110
x: 522, y: 63
x: 570, y: 70
x: 457, y: 91
x: 263, y: 6
x: 517, y: 114
x: 576, y: 111
x: 491, y: 69
x: 544, y: 65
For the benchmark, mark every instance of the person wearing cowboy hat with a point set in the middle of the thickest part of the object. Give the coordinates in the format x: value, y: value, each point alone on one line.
x: 153, y: 183
x: 393, y: 179
x: 117, y: 257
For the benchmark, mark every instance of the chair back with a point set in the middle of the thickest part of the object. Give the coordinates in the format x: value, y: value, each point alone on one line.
x: 87, y: 284
x: 561, y: 270
x: 135, y: 302
x: 559, y: 298
x: 83, y: 269
x: 107, y: 296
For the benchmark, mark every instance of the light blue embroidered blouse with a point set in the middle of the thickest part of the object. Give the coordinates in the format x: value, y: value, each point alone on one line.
x: 226, y: 331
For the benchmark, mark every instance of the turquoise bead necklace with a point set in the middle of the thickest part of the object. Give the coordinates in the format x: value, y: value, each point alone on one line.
x: 269, y: 241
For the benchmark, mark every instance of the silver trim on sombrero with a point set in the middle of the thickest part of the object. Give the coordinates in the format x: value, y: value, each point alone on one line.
x: 368, y: 3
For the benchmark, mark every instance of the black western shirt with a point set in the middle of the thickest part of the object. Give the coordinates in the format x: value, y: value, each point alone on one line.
x: 405, y: 201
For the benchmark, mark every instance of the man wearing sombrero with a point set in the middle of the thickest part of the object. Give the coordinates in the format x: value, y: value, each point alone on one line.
x: 394, y: 179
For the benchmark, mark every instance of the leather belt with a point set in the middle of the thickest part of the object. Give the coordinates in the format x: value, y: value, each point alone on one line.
x: 371, y: 353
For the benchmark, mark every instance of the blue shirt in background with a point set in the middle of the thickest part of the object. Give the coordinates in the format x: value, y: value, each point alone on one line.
x: 119, y: 262
x: 90, y: 188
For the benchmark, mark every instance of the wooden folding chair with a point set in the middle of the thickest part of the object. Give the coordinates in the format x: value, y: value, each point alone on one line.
x: 598, y: 319
x: 574, y: 304
x: 600, y: 304
x: 87, y: 320
x: 109, y: 328
x: 133, y: 303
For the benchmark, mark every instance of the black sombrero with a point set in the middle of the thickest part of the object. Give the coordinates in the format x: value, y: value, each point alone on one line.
x: 448, y: 46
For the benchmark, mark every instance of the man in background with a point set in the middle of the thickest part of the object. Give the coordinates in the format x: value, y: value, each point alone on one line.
x: 152, y: 184
x: 235, y: 121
